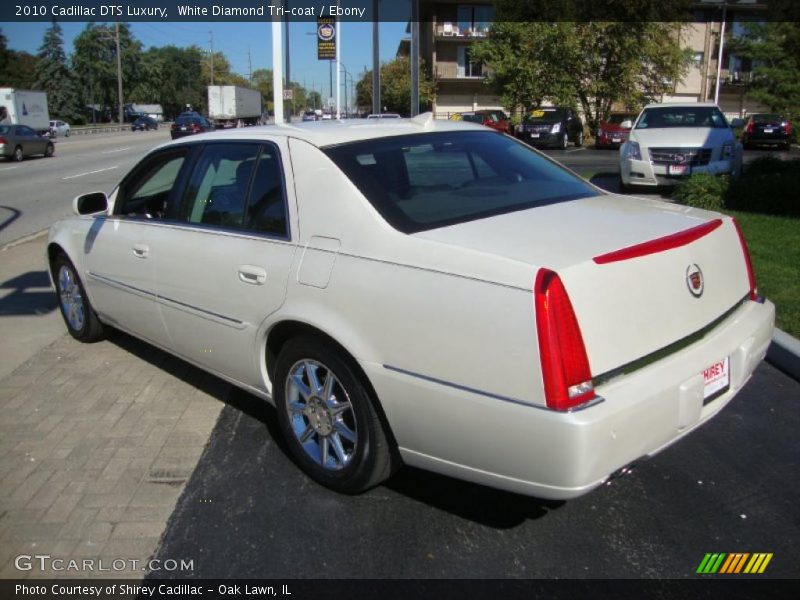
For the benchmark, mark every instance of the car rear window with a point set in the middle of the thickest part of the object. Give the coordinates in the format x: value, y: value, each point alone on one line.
x: 682, y: 116
x: 546, y: 114
x: 472, y: 118
x: 617, y: 118
x: 187, y: 120
x: 426, y: 181
x: 767, y: 118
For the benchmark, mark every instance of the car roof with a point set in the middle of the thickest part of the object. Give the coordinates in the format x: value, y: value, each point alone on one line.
x: 333, y: 132
x: 681, y: 105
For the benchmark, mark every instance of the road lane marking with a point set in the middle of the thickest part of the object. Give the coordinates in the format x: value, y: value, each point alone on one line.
x: 117, y: 150
x: 9, y: 168
x: 90, y: 172
x: 575, y: 150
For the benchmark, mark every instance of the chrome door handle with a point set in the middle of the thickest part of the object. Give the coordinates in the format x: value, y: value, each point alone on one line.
x: 252, y: 274
x: 141, y: 251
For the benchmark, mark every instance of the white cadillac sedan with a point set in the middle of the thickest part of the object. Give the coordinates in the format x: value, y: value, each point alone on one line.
x: 669, y: 142
x: 429, y: 293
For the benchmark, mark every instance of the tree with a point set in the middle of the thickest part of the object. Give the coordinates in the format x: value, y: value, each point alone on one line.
x: 774, y: 49
x: 595, y: 64
x: 16, y: 68
x: 95, y: 63
x: 396, y: 87
x: 53, y: 75
x: 172, y: 77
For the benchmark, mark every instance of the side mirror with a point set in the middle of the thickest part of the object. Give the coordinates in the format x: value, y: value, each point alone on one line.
x: 736, y: 123
x: 626, y: 124
x: 90, y: 204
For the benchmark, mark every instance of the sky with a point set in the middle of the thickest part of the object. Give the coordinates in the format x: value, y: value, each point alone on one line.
x: 236, y: 39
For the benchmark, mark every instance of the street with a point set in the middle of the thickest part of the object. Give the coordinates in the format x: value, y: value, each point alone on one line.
x: 38, y: 191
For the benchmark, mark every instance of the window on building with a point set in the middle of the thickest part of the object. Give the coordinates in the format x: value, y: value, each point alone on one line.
x: 475, y: 20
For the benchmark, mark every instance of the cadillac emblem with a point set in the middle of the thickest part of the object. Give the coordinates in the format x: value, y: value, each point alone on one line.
x: 694, y: 280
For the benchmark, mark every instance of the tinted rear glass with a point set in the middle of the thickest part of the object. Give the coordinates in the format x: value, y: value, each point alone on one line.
x: 425, y: 181
x: 619, y: 118
x: 682, y: 116
x: 767, y: 118
x: 188, y: 121
x: 546, y: 114
x: 472, y: 118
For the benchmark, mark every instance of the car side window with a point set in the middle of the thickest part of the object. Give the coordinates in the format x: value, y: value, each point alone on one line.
x: 146, y: 192
x: 266, y: 211
x: 26, y: 131
x: 217, y: 191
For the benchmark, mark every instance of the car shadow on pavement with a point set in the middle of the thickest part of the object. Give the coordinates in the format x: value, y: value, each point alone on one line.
x: 27, y: 297
x: 15, y: 214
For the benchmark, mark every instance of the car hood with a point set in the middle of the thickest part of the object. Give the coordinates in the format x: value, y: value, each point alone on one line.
x: 681, y: 137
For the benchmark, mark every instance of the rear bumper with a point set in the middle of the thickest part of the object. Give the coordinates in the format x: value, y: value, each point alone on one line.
x: 534, y: 451
x: 542, y: 140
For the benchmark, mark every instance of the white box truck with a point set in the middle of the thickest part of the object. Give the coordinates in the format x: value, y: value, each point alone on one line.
x: 233, y: 106
x: 26, y: 107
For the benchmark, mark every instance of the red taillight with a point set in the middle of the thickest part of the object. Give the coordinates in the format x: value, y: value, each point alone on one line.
x: 751, y: 274
x: 2, y: 140
x: 787, y: 128
x: 565, y: 366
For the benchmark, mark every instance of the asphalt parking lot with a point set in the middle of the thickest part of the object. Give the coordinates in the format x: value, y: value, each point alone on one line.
x: 729, y: 487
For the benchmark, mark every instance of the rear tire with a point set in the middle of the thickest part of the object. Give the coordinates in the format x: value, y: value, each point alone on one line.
x: 624, y: 188
x: 49, y: 150
x: 328, y: 417
x: 18, y: 155
x: 79, y: 316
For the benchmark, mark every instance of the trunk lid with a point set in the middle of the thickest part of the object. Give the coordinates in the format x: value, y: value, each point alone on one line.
x: 630, y: 304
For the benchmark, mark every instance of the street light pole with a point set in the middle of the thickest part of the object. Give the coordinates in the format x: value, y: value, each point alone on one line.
x: 119, y: 77
x: 719, y: 57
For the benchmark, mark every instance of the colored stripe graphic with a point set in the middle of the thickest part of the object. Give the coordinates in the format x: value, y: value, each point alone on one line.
x: 733, y: 563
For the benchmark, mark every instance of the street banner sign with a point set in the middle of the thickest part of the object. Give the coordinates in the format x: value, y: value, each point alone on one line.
x: 326, y: 38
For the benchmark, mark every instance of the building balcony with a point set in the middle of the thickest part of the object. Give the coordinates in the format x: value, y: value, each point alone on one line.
x: 454, y: 32
x: 453, y: 71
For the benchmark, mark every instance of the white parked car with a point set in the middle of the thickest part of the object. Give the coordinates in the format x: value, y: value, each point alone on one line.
x: 59, y: 128
x: 424, y: 292
x: 669, y: 142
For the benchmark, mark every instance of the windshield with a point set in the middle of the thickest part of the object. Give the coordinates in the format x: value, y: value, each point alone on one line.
x: 682, y: 116
x: 546, y: 114
x: 425, y: 181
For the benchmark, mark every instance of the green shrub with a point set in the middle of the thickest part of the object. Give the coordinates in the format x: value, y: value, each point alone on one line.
x: 702, y: 190
x: 768, y: 185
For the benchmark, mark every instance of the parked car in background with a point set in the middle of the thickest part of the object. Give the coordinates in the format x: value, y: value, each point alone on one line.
x: 20, y: 141
x: 384, y: 116
x: 767, y: 129
x: 190, y: 124
x: 422, y: 292
x: 613, y: 132
x: 669, y: 142
x: 58, y: 127
x: 144, y: 123
x: 309, y: 115
x: 552, y: 127
x: 496, y: 119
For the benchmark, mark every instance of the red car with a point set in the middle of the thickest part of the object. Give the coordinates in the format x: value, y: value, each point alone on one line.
x: 496, y: 119
x: 614, y: 132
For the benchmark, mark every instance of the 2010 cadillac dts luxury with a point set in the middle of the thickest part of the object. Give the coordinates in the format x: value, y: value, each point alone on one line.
x: 429, y: 293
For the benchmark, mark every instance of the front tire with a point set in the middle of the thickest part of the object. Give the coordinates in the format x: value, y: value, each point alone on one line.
x: 49, y: 150
x: 564, y: 141
x: 18, y: 154
x: 624, y: 188
x: 579, y: 139
x: 328, y: 417
x: 79, y: 316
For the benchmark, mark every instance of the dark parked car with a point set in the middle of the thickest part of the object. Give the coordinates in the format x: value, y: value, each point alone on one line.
x: 144, y: 124
x: 767, y: 129
x: 19, y: 141
x: 552, y: 127
x: 190, y: 124
x: 614, y: 132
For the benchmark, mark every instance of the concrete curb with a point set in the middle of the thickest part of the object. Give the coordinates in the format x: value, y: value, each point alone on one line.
x: 24, y: 239
x: 784, y: 353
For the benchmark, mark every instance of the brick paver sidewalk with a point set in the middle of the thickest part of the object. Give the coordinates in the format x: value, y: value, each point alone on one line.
x: 96, y: 444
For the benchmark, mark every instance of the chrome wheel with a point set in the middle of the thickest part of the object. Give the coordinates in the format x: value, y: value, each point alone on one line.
x: 321, y: 415
x: 71, y: 298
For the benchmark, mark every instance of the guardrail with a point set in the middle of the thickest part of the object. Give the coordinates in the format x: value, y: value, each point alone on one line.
x: 91, y: 129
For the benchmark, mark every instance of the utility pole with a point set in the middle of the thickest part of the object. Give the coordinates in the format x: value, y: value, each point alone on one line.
x: 376, y: 61
x: 719, y: 57
x: 414, y: 57
x: 119, y: 77
x: 211, y: 55
x: 288, y: 65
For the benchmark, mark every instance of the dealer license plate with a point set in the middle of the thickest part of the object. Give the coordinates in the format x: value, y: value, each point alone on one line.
x: 768, y: 130
x: 616, y: 140
x: 679, y: 169
x: 534, y: 135
x: 716, y: 380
